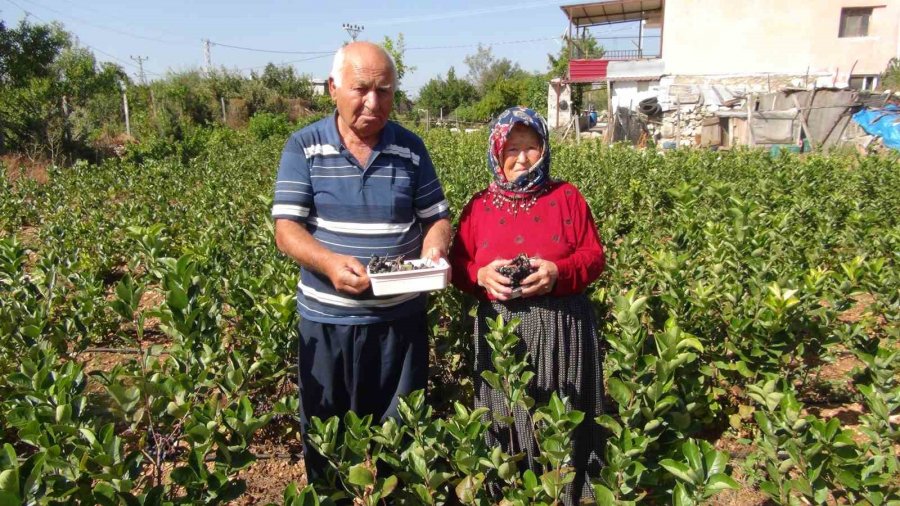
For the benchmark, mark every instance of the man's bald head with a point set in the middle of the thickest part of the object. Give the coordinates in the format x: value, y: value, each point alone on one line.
x: 355, y: 53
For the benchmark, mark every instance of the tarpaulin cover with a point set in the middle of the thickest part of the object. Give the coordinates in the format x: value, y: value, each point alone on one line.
x: 884, y: 123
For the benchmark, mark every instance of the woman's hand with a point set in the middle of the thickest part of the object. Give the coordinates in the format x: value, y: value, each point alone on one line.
x: 496, y: 284
x: 541, y: 281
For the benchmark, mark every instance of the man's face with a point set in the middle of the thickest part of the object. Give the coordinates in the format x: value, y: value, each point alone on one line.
x: 366, y: 95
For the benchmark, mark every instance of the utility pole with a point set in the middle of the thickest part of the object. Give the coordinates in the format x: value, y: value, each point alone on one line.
x: 207, y: 56
x: 353, y: 30
x: 140, y: 61
x: 125, y: 107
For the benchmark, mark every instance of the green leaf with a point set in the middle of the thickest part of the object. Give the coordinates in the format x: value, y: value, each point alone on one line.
x: 721, y: 482
x: 692, y: 452
x: 608, y: 422
x: 679, y: 470
x: 9, y: 499
x: 388, y: 486
x: 361, y: 476
x: 604, y: 495
x: 9, y: 481
x: 680, y: 496
x: 619, y: 391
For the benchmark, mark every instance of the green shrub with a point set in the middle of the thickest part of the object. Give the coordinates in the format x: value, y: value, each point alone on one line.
x: 264, y: 125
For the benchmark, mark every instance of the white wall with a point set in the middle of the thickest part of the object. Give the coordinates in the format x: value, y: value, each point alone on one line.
x: 738, y: 37
x: 561, y: 94
x: 630, y: 93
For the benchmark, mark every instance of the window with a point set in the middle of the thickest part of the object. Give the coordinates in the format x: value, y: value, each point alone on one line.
x: 863, y: 83
x: 855, y: 22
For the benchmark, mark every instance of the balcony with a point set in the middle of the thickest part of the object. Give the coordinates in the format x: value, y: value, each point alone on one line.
x: 647, y: 48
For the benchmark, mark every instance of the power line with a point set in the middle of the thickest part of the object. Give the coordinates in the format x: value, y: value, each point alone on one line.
x: 140, y: 60
x: 86, y: 46
x: 282, y: 64
x: 102, y: 27
x: 460, y: 14
x: 524, y: 41
x: 259, y: 50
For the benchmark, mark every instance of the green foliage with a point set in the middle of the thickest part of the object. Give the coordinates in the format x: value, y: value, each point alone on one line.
x: 265, y: 125
x: 397, y: 49
x: 890, y: 78
x: 731, y: 278
x: 54, y: 95
x: 583, y: 46
x: 446, y: 94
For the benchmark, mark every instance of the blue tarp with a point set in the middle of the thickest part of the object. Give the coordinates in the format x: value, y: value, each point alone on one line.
x: 884, y: 123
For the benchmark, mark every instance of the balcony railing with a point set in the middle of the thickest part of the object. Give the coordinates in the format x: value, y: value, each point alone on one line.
x: 629, y: 54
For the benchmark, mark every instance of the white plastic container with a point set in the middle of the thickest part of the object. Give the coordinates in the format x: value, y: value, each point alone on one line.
x: 420, y: 280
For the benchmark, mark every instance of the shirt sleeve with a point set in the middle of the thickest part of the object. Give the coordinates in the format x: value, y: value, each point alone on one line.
x: 430, y: 203
x: 462, y: 254
x: 293, y: 186
x: 586, y: 263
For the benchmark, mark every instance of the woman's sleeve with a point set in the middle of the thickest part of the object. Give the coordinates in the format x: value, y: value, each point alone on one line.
x: 586, y: 263
x: 462, y: 254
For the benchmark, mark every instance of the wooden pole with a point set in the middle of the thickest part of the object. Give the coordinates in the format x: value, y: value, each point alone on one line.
x: 750, y: 120
x: 610, y: 117
x: 803, y: 124
x: 677, y: 121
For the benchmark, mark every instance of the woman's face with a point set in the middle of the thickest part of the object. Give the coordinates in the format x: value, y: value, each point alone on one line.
x: 523, y: 149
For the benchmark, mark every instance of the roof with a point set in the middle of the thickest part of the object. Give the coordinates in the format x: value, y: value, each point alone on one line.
x: 610, y: 11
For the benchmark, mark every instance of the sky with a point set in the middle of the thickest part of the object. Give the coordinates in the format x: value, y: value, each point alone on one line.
x: 305, y: 34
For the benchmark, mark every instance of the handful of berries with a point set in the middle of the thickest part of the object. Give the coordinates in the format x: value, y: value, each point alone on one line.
x: 381, y: 265
x: 517, y: 270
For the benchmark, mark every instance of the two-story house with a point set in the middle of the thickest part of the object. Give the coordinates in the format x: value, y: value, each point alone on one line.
x: 719, y: 50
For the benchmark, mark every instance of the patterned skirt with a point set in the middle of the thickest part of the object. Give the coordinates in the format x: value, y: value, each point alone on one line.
x: 560, y: 335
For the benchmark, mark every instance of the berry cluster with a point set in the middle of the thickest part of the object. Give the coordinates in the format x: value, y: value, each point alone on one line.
x: 517, y: 270
x: 381, y: 265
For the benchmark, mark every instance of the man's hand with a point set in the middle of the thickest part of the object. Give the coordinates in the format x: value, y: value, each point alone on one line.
x: 347, y: 274
x: 541, y: 281
x: 495, y: 283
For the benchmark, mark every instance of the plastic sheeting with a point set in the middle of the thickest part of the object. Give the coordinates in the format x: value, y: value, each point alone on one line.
x: 884, y: 123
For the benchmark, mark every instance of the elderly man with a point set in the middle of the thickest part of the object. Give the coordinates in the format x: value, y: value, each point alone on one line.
x: 349, y: 186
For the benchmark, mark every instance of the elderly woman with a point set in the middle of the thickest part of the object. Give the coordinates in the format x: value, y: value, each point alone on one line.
x: 525, y: 211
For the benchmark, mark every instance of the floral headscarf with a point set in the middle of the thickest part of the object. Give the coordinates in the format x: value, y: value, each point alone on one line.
x: 539, y: 175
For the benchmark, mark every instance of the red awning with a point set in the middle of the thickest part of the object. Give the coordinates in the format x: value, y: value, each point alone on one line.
x: 587, y: 71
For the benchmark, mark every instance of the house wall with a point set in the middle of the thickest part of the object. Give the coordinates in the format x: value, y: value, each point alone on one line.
x: 630, y: 93
x: 778, y: 37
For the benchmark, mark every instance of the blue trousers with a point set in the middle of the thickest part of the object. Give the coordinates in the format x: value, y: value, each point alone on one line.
x: 363, y: 368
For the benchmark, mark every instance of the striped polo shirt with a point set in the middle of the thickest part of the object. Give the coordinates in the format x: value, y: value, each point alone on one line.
x: 378, y: 209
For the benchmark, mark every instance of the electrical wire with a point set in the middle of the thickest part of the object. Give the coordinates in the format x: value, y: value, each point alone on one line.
x: 86, y: 46
x: 278, y: 51
x: 457, y: 14
x: 488, y: 44
x: 282, y: 64
x: 103, y: 27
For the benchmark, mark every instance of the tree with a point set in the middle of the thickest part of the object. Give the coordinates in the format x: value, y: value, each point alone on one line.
x: 48, y: 87
x: 397, y: 49
x: 285, y: 82
x: 890, y: 78
x: 585, y: 46
x: 29, y: 50
x: 446, y: 94
x: 485, y: 70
